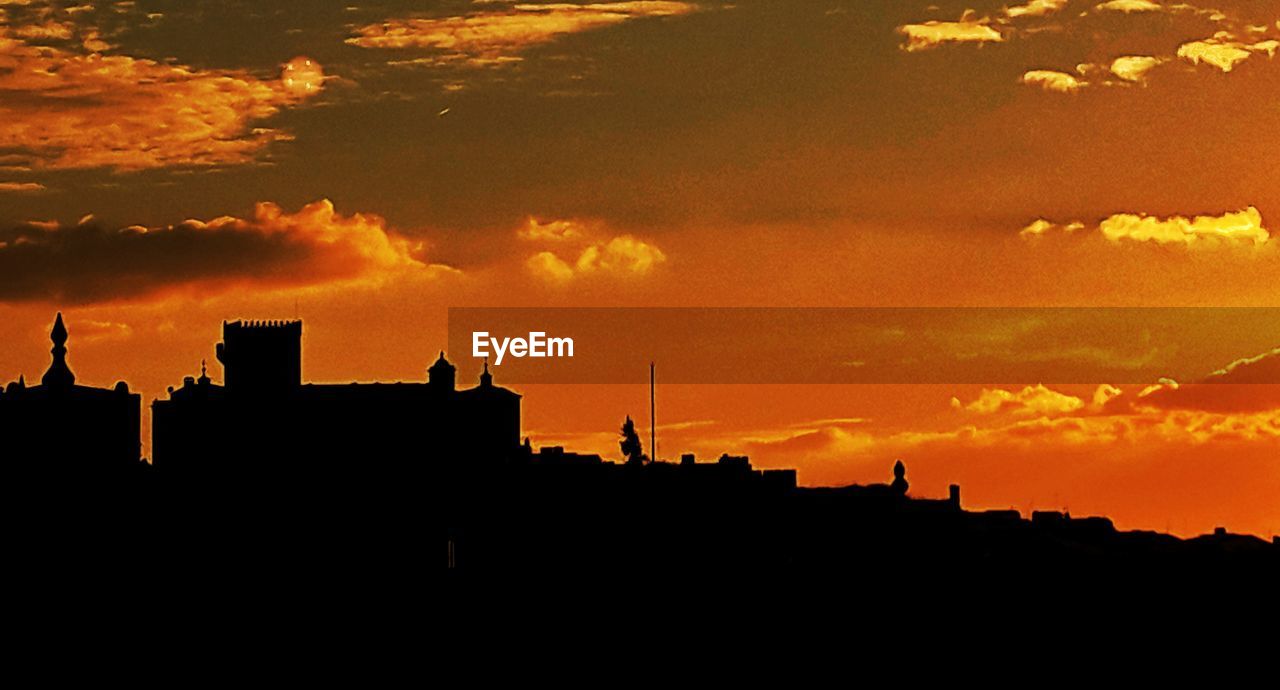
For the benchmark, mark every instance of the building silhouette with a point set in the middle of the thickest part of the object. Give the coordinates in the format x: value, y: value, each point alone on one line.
x: 62, y: 429
x: 264, y: 419
x: 323, y: 487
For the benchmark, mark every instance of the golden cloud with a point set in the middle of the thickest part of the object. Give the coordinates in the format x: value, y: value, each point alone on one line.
x: 551, y: 268
x: 1223, y: 52
x: 1050, y: 80
x: 1040, y: 226
x: 1128, y: 6
x: 1242, y: 227
x: 931, y: 34
x: 620, y: 256
x: 1035, y: 8
x: 46, y: 31
x: 624, y: 255
x: 1134, y: 68
x: 73, y: 110
x: 316, y: 245
x: 489, y: 37
x: 1032, y: 400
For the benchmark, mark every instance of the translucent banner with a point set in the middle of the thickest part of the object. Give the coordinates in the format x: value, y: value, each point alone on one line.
x: 871, y: 345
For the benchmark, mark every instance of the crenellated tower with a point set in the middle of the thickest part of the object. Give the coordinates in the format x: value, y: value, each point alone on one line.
x: 261, y: 357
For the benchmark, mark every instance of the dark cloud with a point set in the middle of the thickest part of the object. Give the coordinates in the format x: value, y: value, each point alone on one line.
x: 90, y: 262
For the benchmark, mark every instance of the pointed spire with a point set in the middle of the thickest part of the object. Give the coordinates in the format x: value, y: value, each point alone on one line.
x: 59, y: 333
x: 204, y: 375
x: 486, y: 379
x: 59, y: 374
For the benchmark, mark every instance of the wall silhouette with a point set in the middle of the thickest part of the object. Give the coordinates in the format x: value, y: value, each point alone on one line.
x: 319, y: 486
x: 267, y: 422
x: 68, y: 431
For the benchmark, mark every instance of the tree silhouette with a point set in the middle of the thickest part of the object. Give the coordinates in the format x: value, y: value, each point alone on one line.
x: 630, y: 444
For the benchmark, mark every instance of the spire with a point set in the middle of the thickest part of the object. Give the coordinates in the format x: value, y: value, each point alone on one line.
x: 59, y: 374
x: 486, y: 379
x: 204, y: 376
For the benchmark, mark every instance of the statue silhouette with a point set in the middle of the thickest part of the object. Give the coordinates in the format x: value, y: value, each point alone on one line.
x: 899, y: 484
x: 630, y: 444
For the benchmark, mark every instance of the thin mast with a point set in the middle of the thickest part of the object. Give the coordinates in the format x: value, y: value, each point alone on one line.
x: 653, y: 419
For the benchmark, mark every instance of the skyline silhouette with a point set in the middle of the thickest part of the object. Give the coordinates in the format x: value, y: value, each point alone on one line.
x: 329, y: 463
x: 221, y: 160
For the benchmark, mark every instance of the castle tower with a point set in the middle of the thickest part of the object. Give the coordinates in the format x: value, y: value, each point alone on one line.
x: 261, y: 357
x: 59, y: 374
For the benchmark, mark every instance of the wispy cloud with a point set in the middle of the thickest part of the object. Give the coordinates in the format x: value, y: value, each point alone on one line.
x: 494, y: 36
x: 930, y: 34
x: 71, y: 106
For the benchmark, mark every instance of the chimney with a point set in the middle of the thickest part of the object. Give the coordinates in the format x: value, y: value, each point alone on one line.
x: 954, y: 496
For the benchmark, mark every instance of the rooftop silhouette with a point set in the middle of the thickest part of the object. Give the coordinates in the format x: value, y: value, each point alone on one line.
x: 265, y: 470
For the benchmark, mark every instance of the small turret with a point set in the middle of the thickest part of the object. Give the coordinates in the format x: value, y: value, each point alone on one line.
x: 442, y: 374
x: 486, y: 379
x: 59, y: 374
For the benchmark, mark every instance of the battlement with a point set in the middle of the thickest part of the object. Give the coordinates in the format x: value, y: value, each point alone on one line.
x: 267, y: 325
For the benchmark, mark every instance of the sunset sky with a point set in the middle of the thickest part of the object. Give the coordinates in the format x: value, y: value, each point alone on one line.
x: 365, y: 166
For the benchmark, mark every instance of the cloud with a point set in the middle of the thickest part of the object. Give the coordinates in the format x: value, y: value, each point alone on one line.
x: 549, y: 267
x: 1035, y: 8
x: 1104, y: 394
x: 625, y: 255
x: 619, y: 256
x: 1050, y: 80
x: 1223, y: 52
x: 1129, y: 6
x: 622, y: 256
x: 1040, y: 226
x: 92, y: 331
x: 88, y: 262
x: 1247, y: 385
x: 1032, y: 400
x: 21, y: 187
x: 494, y: 36
x: 1134, y: 68
x: 66, y: 109
x: 554, y: 230
x: 1242, y: 227
x: 45, y: 31
x: 931, y: 34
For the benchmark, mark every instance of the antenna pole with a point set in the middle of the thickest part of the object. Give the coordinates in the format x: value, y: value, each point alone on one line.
x: 653, y: 419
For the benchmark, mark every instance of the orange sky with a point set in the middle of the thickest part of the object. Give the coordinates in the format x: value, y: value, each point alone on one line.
x: 163, y: 169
